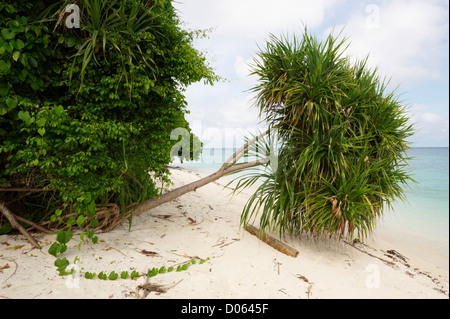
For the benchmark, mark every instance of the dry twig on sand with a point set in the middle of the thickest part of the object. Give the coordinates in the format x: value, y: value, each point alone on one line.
x: 390, y: 263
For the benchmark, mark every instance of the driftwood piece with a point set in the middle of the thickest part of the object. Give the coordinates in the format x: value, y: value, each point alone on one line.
x: 272, y: 241
x: 15, y: 224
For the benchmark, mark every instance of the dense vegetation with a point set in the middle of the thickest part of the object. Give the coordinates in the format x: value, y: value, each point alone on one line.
x: 86, y: 116
x: 342, y: 140
x: 86, y: 113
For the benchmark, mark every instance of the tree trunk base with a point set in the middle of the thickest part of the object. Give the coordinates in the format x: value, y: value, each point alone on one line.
x: 15, y: 224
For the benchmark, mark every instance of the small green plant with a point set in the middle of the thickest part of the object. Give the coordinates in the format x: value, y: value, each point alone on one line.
x: 59, y: 247
x: 89, y: 275
x: 162, y: 270
x: 113, y: 275
x: 61, y: 265
x: 134, y: 274
x: 151, y: 272
x: 102, y: 276
x: 90, y: 235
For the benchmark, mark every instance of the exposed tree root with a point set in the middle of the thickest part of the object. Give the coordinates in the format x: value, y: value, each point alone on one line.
x: 16, y: 225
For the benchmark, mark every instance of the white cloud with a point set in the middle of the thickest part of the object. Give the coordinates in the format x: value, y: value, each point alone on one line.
x: 219, y: 116
x: 243, y: 68
x: 406, y: 39
x: 237, y: 113
x: 253, y: 17
x: 431, y: 127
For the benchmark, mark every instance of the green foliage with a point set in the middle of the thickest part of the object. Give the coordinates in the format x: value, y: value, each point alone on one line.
x: 113, y: 275
x: 124, y: 274
x: 88, y: 112
x: 153, y: 272
x: 61, y: 265
x: 134, y: 274
x: 162, y: 270
x: 62, y: 238
x: 342, y: 141
x: 89, y: 275
x: 102, y: 276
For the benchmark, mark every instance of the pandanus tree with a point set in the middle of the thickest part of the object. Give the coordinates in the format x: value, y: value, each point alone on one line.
x: 342, y: 140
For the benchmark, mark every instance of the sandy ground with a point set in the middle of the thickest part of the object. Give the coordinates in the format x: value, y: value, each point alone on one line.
x: 205, y: 224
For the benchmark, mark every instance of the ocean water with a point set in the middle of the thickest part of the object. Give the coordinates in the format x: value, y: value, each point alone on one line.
x: 422, y: 220
x: 211, y: 159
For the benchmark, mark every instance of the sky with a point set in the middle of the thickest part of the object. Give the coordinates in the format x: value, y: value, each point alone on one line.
x: 406, y: 39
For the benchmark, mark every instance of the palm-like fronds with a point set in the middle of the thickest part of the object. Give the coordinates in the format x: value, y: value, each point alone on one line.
x: 114, y: 25
x: 342, y: 158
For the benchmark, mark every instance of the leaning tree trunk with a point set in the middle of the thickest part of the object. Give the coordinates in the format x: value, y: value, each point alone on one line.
x: 229, y: 166
x: 15, y: 224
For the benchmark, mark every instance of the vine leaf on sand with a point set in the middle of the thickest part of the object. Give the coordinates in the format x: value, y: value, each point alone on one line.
x: 113, y: 275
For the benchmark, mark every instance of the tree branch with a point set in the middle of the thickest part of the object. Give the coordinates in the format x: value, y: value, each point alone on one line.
x: 32, y: 224
x: 8, y: 189
x: 15, y: 224
x: 228, y: 167
x: 238, y: 154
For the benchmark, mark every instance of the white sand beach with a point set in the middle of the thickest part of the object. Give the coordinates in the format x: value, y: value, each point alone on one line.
x: 206, y: 224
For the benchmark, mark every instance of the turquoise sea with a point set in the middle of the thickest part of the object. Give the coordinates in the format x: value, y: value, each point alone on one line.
x: 422, y: 221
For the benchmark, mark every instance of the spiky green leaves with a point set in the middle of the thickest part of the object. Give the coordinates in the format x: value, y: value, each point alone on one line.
x: 343, y: 140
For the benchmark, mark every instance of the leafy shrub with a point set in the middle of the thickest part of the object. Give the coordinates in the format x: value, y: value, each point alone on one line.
x: 88, y: 112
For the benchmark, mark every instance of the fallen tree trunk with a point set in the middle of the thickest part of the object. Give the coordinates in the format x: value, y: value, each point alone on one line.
x: 229, y: 166
x: 169, y: 196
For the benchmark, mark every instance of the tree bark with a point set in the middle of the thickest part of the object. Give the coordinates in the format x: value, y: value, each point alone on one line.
x: 15, y: 224
x: 32, y: 224
x: 228, y: 167
x: 169, y: 196
x: 9, y: 189
x: 272, y: 241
